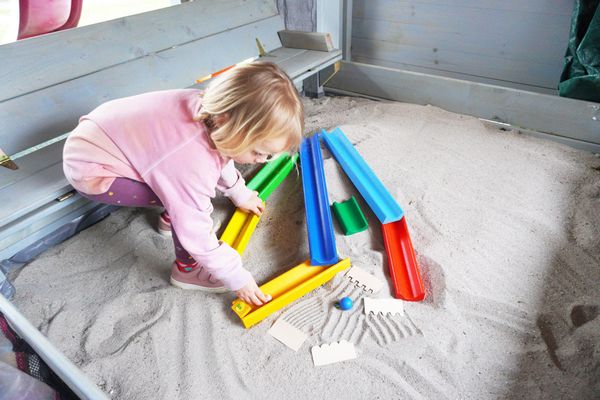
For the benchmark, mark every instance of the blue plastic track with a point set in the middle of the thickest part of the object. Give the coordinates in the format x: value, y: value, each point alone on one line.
x: 370, y: 187
x: 321, y: 238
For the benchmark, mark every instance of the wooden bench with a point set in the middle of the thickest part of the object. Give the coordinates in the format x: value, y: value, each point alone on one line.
x: 48, y: 82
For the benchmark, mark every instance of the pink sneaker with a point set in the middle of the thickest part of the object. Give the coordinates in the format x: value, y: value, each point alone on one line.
x: 164, y: 224
x: 195, y: 277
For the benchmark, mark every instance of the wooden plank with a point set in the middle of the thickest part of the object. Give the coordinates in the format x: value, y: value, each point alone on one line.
x: 455, y: 75
x: 347, y: 38
x: 281, y: 54
x: 39, y: 180
x: 319, y: 41
x: 526, y: 72
x: 569, y: 118
x: 330, y: 19
x: 30, y: 165
x: 507, y: 44
x: 57, y: 108
x: 303, y: 62
x: 47, y: 60
x: 513, y: 41
x: 392, y: 8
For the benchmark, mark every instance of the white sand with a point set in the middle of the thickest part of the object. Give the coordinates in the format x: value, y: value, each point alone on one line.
x: 506, y: 229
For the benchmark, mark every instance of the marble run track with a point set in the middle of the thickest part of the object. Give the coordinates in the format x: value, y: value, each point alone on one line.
x: 242, y: 224
x: 286, y: 288
x: 402, y: 262
x: 321, y: 236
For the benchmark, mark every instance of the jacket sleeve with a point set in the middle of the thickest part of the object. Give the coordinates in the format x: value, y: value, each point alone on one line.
x: 185, y: 191
x: 232, y: 185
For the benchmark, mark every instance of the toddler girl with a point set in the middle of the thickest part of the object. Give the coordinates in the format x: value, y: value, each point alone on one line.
x: 174, y: 148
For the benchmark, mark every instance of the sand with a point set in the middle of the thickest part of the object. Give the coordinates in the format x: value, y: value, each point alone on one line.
x: 506, y: 231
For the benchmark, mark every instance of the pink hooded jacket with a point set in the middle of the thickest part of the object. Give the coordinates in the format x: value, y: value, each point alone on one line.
x: 153, y: 138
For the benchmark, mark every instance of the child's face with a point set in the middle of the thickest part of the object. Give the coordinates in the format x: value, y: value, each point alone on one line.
x: 262, y: 152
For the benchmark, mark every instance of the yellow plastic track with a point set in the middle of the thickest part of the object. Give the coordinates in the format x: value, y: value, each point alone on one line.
x: 286, y: 288
x: 240, y: 229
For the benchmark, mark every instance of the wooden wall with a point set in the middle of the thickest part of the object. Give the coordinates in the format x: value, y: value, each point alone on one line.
x: 514, y: 43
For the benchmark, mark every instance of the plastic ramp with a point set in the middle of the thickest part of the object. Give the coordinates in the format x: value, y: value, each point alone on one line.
x: 242, y: 224
x: 349, y: 216
x: 271, y: 175
x: 286, y: 288
x: 403, y: 266
x: 239, y: 229
x: 370, y: 187
x: 321, y: 237
x: 402, y: 262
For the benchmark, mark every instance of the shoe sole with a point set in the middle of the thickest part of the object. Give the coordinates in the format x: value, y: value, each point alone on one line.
x: 191, y: 286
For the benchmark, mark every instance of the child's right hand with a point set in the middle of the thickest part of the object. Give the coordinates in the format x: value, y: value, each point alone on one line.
x: 254, y: 204
x: 251, y: 294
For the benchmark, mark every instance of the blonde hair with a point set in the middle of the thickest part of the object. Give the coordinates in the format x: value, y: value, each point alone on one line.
x: 260, y: 102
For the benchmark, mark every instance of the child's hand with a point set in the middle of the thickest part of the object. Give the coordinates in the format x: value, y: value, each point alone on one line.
x: 251, y: 294
x: 253, y: 204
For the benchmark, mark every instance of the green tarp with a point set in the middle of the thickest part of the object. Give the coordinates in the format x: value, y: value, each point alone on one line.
x: 580, y: 78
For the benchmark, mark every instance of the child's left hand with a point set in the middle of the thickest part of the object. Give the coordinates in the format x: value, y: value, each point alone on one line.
x: 253, y: 204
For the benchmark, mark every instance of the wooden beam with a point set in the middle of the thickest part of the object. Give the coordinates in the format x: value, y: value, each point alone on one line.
x: 47, y: 60
x: 306, y: 40
x: 32, y: 118
x: 557, y: 117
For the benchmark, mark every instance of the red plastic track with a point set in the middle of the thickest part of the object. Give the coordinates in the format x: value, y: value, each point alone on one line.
x: 404, y: 270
